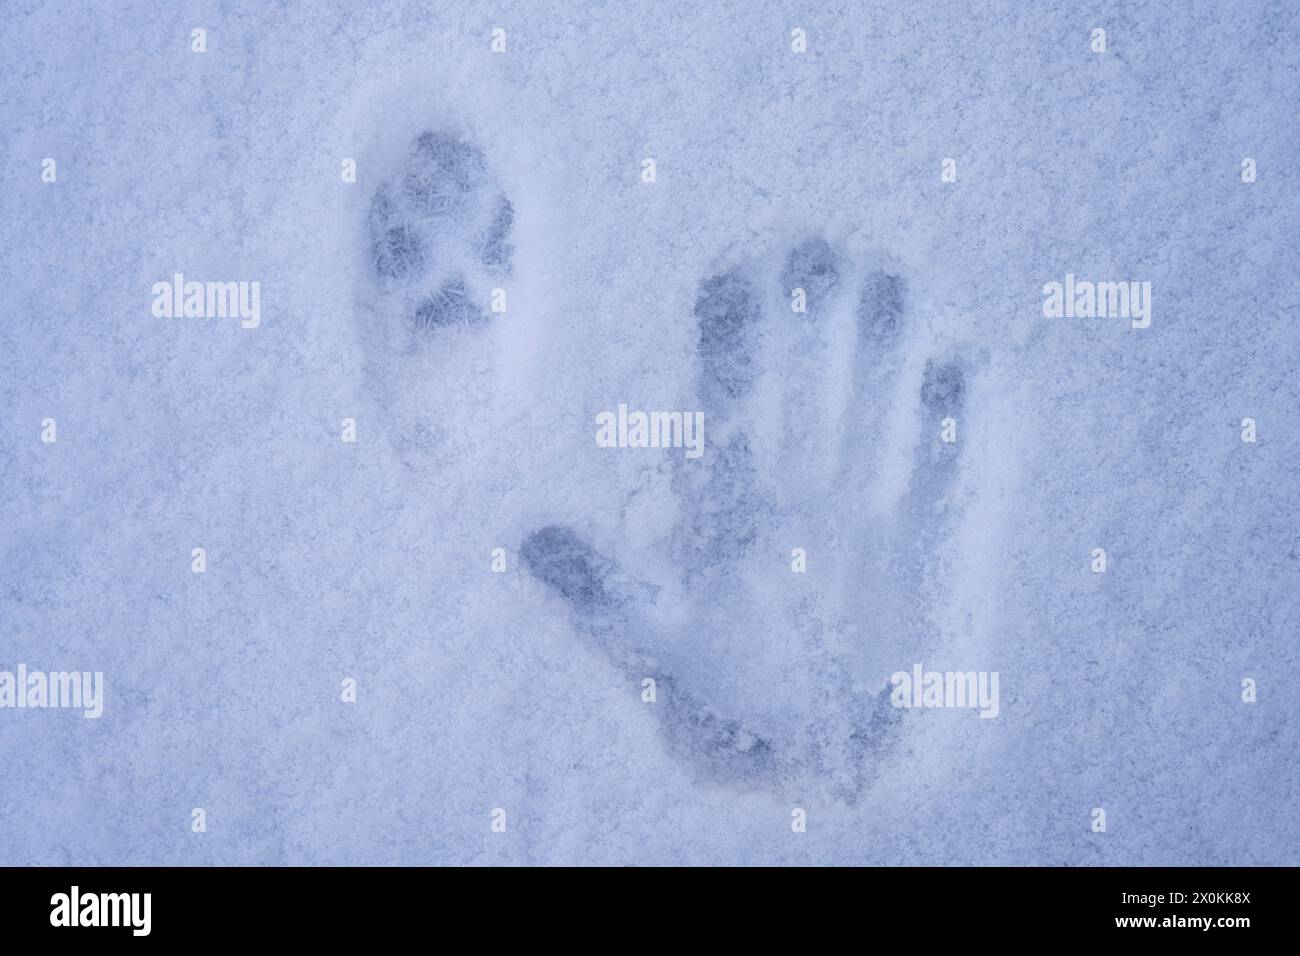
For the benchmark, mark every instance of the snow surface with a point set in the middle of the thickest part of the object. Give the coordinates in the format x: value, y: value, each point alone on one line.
x: 522, y: 690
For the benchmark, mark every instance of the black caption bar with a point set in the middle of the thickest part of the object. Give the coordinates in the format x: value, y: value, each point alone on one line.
x: 303, y: 905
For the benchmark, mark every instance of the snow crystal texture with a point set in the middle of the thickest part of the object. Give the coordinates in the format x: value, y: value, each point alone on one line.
x: 607, y: 205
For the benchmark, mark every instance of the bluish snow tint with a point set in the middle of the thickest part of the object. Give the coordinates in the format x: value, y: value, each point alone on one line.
x: 523, y: 690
